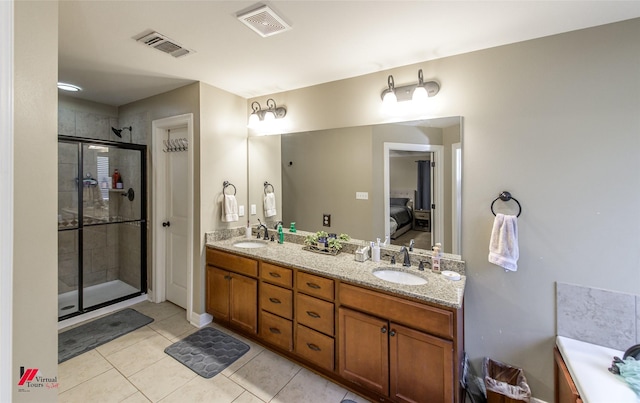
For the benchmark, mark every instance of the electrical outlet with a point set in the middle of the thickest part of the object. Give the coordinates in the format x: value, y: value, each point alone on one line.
x: 326, y: 220
x: 240, y: 211
x: 362, y: 195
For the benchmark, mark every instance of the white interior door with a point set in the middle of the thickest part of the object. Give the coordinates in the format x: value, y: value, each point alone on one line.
x: 176, y: 222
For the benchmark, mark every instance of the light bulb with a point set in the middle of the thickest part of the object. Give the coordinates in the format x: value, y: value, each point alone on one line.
x: 254, y: 119
x: 269, y: 115
x: 420, y: 94
x: 389, y: 98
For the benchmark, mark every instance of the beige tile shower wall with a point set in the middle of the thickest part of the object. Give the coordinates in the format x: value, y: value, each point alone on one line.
x: 79, y: 118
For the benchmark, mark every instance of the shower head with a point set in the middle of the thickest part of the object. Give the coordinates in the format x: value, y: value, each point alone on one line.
x: 118, y: 132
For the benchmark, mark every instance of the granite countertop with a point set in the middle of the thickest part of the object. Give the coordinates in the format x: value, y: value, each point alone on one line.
x: 438, y: 289
x: 587, y: 363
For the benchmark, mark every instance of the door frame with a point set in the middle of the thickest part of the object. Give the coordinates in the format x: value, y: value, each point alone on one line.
x: 437, y: 215
x: 159, y: 129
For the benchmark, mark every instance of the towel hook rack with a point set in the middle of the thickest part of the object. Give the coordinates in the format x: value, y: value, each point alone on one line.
x: 225, y: 185
x: 505, y: 197
x: 266, y: 187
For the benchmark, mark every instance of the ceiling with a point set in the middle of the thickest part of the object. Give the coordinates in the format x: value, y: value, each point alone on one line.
x: 329, y: 40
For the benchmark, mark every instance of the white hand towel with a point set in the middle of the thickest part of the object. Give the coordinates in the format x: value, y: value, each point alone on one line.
x: 229, y: 208
x: 269, y: 205
x: 503, y: 247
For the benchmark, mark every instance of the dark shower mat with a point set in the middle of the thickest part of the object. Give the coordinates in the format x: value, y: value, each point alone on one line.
x: 207, y: 351
x: 86, y: 337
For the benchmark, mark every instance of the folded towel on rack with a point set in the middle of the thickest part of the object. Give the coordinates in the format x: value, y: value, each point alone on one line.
x: 229, y: 208
x: 503, y: 247
x: 269, y: 204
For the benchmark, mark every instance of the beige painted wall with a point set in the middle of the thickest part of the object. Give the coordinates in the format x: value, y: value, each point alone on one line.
x: 222, y: 157
x: 534, y: 118
x: 219, y: 154
x: 35, y: 242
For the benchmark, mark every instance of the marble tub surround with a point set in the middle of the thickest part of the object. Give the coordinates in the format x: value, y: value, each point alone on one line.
x: 438, y: 289
x: 602, y: 317
x: 447, y: 261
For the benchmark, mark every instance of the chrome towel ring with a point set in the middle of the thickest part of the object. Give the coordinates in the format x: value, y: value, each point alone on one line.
x: 225, y: 185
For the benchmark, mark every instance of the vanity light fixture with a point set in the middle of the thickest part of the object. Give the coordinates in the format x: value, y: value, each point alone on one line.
x: 272, y: 112
x: 415, y: 92
x: 69, y: 87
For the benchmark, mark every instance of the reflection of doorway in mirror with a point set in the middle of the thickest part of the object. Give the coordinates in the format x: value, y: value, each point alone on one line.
x: 456, y: 197
x: 411, y: 179
x: 435, y: 217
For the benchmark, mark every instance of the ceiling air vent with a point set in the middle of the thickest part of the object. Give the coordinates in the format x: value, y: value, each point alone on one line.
x: 264, y: 21
x: 164, y: 44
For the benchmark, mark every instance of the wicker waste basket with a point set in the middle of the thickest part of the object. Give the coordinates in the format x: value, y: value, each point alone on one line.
x: 504, y: 383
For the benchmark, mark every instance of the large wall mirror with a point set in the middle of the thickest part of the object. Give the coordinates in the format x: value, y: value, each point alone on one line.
x: 398, y: 179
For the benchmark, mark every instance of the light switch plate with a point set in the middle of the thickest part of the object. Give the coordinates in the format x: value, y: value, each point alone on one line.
x: 362, y: 195
x: 240, y: 211
x: 253, y: 209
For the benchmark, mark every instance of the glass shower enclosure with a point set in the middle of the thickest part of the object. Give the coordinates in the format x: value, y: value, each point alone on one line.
x: 102, y: 253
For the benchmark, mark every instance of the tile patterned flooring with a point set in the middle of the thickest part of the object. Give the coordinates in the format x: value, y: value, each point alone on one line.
x: 134, y: 368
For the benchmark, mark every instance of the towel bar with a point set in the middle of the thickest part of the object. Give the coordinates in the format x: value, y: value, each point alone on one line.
x: 505, y: 197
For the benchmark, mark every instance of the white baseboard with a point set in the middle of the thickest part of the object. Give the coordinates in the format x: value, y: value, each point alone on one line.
x: 534, y: 400
x: 102, y: 311
x: 200, y: 320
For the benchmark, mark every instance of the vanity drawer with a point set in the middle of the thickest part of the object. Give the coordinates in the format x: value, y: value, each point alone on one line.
x: 314, y: 285
x: 231, y: 262
x: 315, y: 347
x: 276, y: 330
x: 276, y: 300
x: 276, y: 274
x: 315, y: 313
x: 418, y: 316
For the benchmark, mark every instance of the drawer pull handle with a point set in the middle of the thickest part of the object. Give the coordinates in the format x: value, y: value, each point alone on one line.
x: 274, y: 330
x: 313, y: 347
x: 313, y: 285
x: 274, y: 274
x: 384, y: 329
x: 392, y: 333
x: 275, y: 300
x: 313, y: 314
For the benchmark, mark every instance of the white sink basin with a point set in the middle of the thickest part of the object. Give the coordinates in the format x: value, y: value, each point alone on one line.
x: 399, y: 277
x: 250, y: 244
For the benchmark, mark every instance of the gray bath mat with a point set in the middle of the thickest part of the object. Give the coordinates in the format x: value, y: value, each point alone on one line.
x: 207, y: 351
x: 86, y: 337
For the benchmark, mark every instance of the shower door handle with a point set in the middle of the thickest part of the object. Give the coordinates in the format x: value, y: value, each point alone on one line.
x: 166, y: 224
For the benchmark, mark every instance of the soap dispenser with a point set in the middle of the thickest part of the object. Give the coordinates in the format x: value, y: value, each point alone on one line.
x: 435, y: 258
x: 280, y: 234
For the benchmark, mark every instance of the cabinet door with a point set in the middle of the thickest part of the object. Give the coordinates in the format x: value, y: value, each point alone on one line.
x: 364, y: 350
x: 420, y: 366
x: 565, y: 388
x: 243, y: 302
x: 218, y: 293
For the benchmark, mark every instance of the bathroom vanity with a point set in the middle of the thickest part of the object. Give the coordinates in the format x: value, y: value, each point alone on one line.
x: 389, y: 342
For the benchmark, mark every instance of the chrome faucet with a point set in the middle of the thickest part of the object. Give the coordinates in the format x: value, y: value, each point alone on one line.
x: 407, y: 260
x: 411, y: 243
x: 276, y: 225
x: 266, y: 231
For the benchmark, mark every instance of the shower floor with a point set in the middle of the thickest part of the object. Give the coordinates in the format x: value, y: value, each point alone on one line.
x: 94, y: 295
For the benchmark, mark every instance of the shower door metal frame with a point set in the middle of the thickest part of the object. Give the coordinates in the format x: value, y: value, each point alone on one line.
x: 81, y: 141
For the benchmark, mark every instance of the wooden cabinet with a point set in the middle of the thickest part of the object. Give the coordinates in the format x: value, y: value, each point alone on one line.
x: 565, y: 389
x: 378, y: 349
x: 315, y: 319
x: 231, y: 297
x: 384, y: 346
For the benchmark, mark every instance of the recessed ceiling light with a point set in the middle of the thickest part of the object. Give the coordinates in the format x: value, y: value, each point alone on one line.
x: 69, y: 87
